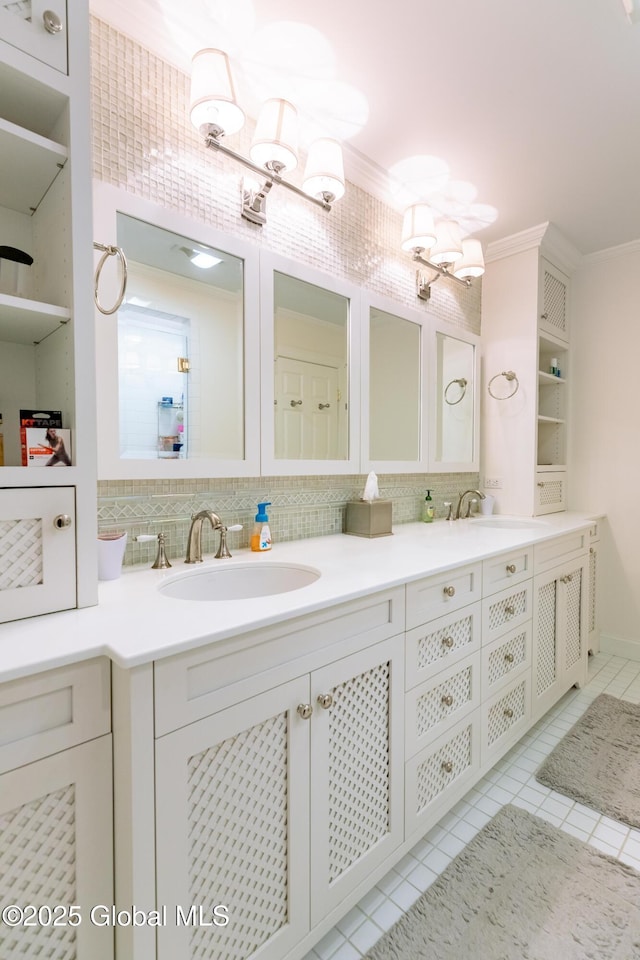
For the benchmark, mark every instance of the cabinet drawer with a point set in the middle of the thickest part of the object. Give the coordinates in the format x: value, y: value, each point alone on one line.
x: 444, y: 768
x: 504, y: 658
x: 190, y: 686
x: 506, y: 610
x: 506, y: 570
x: 435, y: 596
x: 441, y: 643
x: 556, y: 551
x: 504, y: 719
x: 435, y: 706
x: 51, y: 711
x: 550, y: 493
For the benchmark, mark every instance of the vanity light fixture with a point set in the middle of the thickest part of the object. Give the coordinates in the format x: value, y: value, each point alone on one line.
x: 274, y: 147
x: 447, y: 254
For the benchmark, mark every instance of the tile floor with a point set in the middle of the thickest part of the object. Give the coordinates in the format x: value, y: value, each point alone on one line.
x: 512, y: 780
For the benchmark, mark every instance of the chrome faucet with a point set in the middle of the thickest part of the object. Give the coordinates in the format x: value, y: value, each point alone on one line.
x: 194, y: 540
x: 461, y: 498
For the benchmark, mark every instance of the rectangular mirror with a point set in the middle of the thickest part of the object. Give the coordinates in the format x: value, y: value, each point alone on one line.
x: 309, y: 414
x: 394, y: 341
x: 456, y: 402
x: 179, y: 365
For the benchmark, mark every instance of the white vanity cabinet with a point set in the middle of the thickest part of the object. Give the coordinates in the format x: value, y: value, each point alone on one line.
x: 56, y: 811
x: 560, y: 621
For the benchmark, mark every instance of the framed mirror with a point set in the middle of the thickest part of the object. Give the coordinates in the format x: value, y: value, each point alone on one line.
x: 178, y: 363
x: 310, y: 385
x: 454, y: 433
x: 394, y: 387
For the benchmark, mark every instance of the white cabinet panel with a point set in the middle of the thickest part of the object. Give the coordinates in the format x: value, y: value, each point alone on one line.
x: 37, y: 551
x: 37, y: 27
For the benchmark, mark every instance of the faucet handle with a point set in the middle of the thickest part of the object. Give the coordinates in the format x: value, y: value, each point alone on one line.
x: 223, y: 549
x: 447, y: 503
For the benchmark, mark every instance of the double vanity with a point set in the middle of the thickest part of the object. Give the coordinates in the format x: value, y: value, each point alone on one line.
x: 277, y: 751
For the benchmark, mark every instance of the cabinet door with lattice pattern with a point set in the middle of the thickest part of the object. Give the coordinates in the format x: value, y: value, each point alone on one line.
x: 575, y: 623
x: 546, y: 654
x: 357, y: 766
x: 232, y: 830
x: 56, y: 852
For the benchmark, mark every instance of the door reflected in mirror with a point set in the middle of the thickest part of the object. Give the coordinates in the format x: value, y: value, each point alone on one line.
x: 455, y: 400
x: 311, y: 327
x: 394, y: 387
x: 180, y: 347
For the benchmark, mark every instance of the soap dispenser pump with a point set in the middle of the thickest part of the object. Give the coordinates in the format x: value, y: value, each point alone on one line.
x: 261, y: 536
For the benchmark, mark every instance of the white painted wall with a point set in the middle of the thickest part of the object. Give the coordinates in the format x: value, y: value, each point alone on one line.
x: 605, y: 438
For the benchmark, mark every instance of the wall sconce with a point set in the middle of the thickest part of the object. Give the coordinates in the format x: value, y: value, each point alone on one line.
x: 448, y: 254
x: 274, y: 147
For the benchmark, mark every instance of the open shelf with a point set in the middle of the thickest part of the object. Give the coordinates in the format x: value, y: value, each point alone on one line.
x: 30, y: 164
x: 550, y: 419
x: 29, y: 321
x: 549, y: 379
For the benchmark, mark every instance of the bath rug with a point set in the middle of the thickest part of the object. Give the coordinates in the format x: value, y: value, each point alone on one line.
x: 522, y: 890
x: 598, y: 761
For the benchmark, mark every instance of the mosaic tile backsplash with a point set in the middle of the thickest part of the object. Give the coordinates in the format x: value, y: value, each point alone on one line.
x: 143, y: 142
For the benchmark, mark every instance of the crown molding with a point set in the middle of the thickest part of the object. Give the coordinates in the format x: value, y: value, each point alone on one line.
x: 546, y: 237
x: 612, y: 253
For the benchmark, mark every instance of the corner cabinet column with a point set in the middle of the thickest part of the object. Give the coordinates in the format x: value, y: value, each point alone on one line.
x: 525, y: 330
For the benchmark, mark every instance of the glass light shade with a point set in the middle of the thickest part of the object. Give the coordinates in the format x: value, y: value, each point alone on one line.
x: 213, y: 97
x: 275, y: 141
x: 418, y: 229
x: 471, y: 263
x: 448, y: 245
x: 324, y: 172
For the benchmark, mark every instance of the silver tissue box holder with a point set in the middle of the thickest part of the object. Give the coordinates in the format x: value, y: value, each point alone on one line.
x: 368, y: 519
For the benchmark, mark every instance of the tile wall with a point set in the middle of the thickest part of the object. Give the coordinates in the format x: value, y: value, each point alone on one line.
x: 143, y: 142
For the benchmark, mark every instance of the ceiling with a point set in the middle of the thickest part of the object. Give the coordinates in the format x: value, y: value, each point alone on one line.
x: 536, y: 103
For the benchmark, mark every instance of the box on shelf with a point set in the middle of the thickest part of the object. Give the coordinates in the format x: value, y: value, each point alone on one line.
x: 369, y: 519
x: 36, y: 418
x: 48, y: 447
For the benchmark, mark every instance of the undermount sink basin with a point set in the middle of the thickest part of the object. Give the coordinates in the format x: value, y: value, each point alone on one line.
x: 238, y: 581
x: 509, y: 523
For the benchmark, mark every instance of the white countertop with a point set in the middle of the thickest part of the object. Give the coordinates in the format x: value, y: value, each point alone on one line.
x: 134, y: 623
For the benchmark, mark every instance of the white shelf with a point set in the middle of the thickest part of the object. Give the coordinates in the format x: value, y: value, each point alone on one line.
x: 29, y: 321
x: 549, y: 379
x: 30, y: 164
x: 550, y: 420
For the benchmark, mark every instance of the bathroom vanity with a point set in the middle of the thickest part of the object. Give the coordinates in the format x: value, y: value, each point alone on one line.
x: 275, y: 756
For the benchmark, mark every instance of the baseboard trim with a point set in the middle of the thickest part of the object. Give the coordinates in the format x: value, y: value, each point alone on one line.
x: 630, y: 649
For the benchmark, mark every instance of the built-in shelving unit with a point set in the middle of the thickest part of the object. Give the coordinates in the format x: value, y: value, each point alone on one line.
x: 30, y: 164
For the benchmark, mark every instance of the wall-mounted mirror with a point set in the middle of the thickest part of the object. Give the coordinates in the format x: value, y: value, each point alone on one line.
x: 455, y: 409
x: 310, y: 388
x: 394, y: 420
x: 178, y: 363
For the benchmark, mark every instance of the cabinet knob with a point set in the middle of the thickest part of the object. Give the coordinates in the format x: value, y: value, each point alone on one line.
x: 325, y: 700
x: 508, y: 712
x: 541, y: 483
x: 305, y: 710
x: 508, y: 657
x: 567, y: 578
x: 447, y: 700
x: 295, y: 403
x: 62, y: 521
x: 52, y: 22
x: 323, y: 406
x: 447, y: 642
x: 591, y: 550
x: 509, y: 610
x: 449, y: 591
x: 511, y: 568
x: 447, y: 766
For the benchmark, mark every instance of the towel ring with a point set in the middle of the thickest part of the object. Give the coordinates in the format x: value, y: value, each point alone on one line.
x: 462, y: 383
x: 109, y: 251
x: 510, y: 377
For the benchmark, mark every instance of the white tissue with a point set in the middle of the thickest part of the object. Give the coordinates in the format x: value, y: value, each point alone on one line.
x: 371, y: 488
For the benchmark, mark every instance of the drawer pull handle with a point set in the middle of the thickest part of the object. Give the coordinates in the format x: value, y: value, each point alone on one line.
x: 447, y: 642
x: 325, y: 700
x: 508, y: 712
x: 447, y: 700
x: 567, y: 578
x: 541, y: 483
x: 62, y: 521
x: 508, y: 657
x: 447, y: 766
x: 305, y: 710
x: 510, y: 610
x: 449, y: 591
x: 591, y: 550
x: 511, y: 568
x: 52, y: 22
